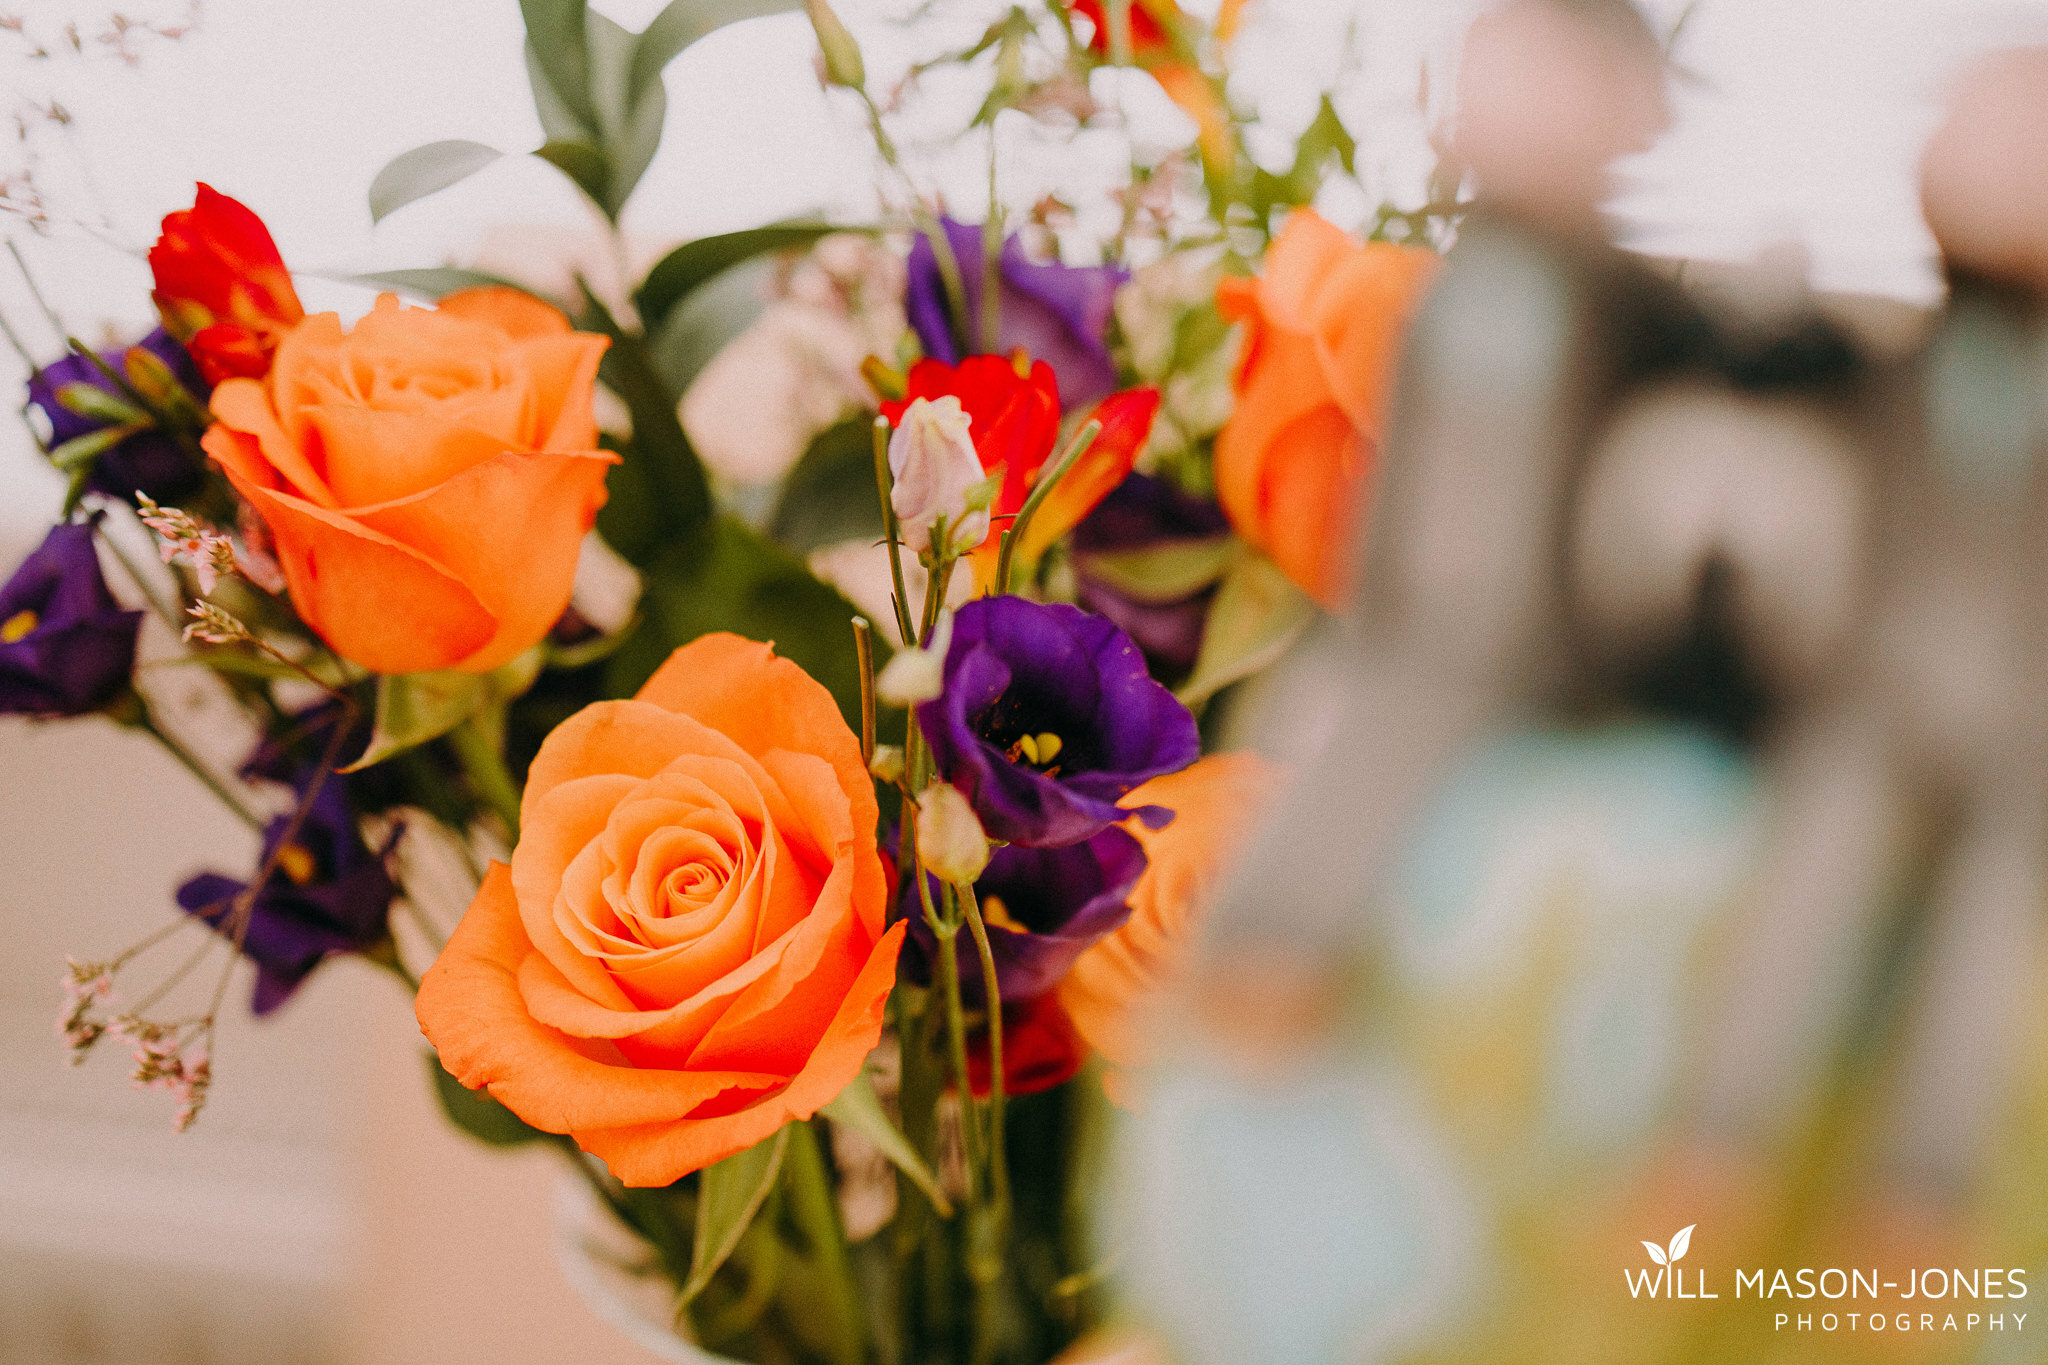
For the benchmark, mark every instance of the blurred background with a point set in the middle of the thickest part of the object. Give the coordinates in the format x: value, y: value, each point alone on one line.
x: 323, y: 1212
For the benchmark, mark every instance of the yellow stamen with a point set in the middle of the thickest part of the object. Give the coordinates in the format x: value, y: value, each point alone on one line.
x: 1049, y: 747
x: 1027, y: 749
x: 19, y: 626
x: 996, y: 915
x: 296, y: 862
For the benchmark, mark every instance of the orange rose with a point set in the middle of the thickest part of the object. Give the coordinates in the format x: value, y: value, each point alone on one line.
x: 1324, y: 327
x: 688, y: 949
x: 1215, y: 804
x: 428, y: 478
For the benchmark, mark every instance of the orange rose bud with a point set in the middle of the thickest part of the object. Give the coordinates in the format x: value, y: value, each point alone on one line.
x: 1109, y: 989
x: 222, y: 288
x: 427, y: 478
x: 688, y: 949
x: 1324, y: 327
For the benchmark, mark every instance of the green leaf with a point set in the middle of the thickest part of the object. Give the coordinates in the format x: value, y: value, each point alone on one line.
x: 476, y: 1113
x: 1257, y: 614
x: 729, y: 1194
x: 678, y: 496
x: 90, y: 400
x: 631, y: 129
x: 79, y: 452
x: 728, y: 577
x: 585, y: 165
x: 439, y: 282
x: 425, y: 170
x: 682, y: 23
x: 691, y: 264
x: 708, y: 321
x: 558, y: 42
x: 413, y: 708
x: 1324, y: 137
x: 830, y: 495
x: 1163, y: 572
x: 859, y: 1108
x: 558, y: 123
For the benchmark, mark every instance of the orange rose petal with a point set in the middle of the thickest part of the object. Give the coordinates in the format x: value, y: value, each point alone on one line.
x: 784, y: 1009
x: 510, y: 528
x: 658, y: 1154
x: 1285, y: 387
x: 470, y: 1008
x: 242, y: 406
x: 631, y: 738
x: 564, y: 375
x: 820, y: 833
x: 343, y: 575
x: 550, y: 837
x: 1308, y: 248
x: 739, y: 688
x: 514, y: 312
x: 1361, y: 320
x: 377, y: 456
x: 1111, y: 984
x: 1309, y: 488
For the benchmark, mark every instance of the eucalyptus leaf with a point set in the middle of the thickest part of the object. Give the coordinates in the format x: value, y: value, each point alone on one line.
x: 1164, y: 572
x: 729, y: 1194
x: 1257, y: 614
x: 557, y: 37
x: 424, y: 171
x: 413, y: 708
x: 682, y: 23
x: 858, y: 1107
x: 587, y: 166
x: 476, y: 1113
x: 438, y: 282
x: 558, y: 123
x: 830, y: 496
x: 677, y: 493
x: 630, y: 129
x: 675, y: 275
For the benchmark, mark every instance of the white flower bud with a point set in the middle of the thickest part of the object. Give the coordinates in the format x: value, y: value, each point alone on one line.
x: 937, y: 474
x: 950, y: 841
x: 913, y: 675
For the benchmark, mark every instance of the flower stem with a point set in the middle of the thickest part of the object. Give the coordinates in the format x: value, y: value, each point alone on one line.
x: 811, y: 1201
x: 998, y: 1163
x: 1012, y: 538
x: 487, y: 772
x: 192, y: 765
x: 884, y: 481
x: 864, y: 654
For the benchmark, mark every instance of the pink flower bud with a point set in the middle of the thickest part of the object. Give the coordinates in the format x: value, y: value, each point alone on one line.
x: 937, y: 474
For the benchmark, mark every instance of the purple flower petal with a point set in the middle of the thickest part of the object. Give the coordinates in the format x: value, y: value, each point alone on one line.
x: 1066, y: 899
x: 1058, y: 313
x: 76, y: 646
x: 149, y: 461
x: 1020, y: 669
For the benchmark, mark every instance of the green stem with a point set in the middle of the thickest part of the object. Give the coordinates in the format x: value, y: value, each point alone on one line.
x: 811, y: 1201
x: 885, y: 482
x: 487, y: 772
x: 1012, y: 538
x: 998, y: 1162
x: 199, y: 770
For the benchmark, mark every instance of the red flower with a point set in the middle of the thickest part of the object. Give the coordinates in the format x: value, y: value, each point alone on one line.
x: 222, y: 288
x: 1040, y: 1048
x: 1014, y: 413
x: 1148, y: 35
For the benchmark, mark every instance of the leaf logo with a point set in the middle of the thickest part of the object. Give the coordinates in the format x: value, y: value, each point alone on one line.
x: 1679, y: 1242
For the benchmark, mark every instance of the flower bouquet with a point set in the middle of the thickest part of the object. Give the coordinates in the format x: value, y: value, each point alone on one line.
x: 822, y: 873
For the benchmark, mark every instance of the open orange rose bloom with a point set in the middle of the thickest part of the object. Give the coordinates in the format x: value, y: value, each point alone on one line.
x: 428, y: 477
x: 688, y: 949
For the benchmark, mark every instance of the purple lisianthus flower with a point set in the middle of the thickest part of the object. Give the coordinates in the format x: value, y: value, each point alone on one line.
x: 1043, y: 907
x: 150, y: 461
x: 1057, y: 313
x: 66, y: 646
x: 1144, y: 513
x: 1047, y: 717
x: 329, y: 893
